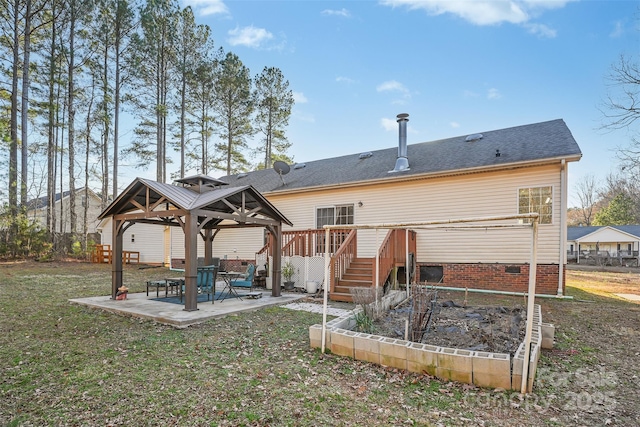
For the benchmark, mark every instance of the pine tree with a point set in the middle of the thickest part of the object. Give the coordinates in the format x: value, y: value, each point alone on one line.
x: 273, y: 101
x: 233, y: 105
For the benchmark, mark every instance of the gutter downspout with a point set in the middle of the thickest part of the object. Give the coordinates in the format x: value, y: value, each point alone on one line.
x: 563, y: 225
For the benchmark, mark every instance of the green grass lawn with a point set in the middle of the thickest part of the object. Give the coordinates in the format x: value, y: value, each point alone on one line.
x: 64, y: 364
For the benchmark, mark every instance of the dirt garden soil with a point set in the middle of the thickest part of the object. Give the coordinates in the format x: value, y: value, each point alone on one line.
x: 495, y: 329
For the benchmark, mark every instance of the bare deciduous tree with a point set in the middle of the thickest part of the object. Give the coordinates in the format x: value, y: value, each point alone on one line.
x: 621, y: 109
x: 587, y: 193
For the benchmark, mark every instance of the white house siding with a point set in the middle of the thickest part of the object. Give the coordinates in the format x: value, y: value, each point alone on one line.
x: 94, y: 210
x: 240, y: 243
x: 465, y: 196
x: 609, y: 235
x: 148, y: 240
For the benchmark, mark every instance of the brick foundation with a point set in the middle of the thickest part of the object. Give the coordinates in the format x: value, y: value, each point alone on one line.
x: 498, y: 277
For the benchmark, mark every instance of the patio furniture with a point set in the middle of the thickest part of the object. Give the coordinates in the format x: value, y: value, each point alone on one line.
x: 205, y: 281
x: 157, y: 284
x: 229, y: 278
x: 246, y: 282
x: 174, y: 284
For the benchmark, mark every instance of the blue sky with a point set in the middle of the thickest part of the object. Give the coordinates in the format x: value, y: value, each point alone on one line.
x: 457, y: 67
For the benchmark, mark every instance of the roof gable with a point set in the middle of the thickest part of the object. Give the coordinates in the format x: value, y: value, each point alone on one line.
x: 609, y: 233
x: 148, y: 196
x: 42, y: 202
x: 517, y: 146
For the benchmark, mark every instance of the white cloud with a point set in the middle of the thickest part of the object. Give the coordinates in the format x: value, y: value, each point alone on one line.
x: 342, y: 79
x: 389, y: 124
x: 469, y: 94
x: 392, y: 86
x: 493, y: 93
x: 207, y: 7
x: 248, y: 36
x: 454, y: 125
x: 332, y: 12
x: 487, y: 12
x: 541, y: 30
x: 618, y: 30
x: 299, y: 98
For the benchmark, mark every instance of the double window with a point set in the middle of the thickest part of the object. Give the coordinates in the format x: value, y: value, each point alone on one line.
x: 536, y: 199
x: 334, y: 215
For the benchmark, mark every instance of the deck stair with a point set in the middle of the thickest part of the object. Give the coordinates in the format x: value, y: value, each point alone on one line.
x: 358, y: 275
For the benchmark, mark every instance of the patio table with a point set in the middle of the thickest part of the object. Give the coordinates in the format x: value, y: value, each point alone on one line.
x: 229, y: 277
x: 175, y: 284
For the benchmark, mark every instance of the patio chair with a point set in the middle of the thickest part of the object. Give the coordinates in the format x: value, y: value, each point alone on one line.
x: 205, y: 281
x: 245, y: 281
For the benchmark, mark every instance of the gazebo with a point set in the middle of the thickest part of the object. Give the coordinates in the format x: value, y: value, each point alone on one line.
x: 201, y: 206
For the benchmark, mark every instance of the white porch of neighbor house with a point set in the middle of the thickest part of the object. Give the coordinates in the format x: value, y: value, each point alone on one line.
x: 605, y: 246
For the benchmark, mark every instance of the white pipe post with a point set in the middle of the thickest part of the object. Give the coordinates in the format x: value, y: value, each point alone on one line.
x: 407, y: 263
x: 377, y: 272
x: 530, y: 306
x: 325, y: 302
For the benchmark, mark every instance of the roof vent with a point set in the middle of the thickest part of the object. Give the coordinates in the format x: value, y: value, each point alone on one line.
x: 402, y: 162
x: 299, y: 165
x: 474, y: 137
x: 365, y: 155
x: 242, y: 175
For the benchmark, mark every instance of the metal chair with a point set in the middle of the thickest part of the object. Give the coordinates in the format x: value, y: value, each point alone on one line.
x: 244, y: 280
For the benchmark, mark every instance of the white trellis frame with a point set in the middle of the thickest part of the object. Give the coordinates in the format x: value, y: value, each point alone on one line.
x: 533, y: 217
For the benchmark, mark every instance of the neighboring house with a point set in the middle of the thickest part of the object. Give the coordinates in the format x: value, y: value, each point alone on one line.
x: 504, y: 172
x: 611, y: 244
x: 37, y: 210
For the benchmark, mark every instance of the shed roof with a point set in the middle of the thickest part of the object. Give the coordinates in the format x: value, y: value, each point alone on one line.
x: 521, y: 145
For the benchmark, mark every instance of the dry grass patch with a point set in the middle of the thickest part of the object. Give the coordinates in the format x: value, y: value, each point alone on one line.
x: 64, y: 364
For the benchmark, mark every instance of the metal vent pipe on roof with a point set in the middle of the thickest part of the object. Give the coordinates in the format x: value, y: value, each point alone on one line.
x: 402, y: 163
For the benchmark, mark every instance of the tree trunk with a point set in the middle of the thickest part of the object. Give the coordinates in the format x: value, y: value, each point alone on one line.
x: 72, y: 113
x: 13, y: 146
x: 25, y: 107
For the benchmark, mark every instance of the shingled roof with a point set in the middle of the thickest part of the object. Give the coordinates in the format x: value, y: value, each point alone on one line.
x: 577, y: 233
x: 520, y: 145
x: 144, y: 192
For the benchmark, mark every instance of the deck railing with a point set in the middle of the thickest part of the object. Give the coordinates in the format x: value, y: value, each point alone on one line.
x: 308, y: 242
x: 341, y: 259
x: 393, y: 252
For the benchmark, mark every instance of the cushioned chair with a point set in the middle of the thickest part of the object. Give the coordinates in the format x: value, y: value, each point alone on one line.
x: 245, y: 281
x: 205, y: 281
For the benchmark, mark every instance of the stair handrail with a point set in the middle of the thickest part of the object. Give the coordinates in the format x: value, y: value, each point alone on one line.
x: 341, y: 259
x: 392, y: 252
x: 385, y: 254
x: 306, y: 242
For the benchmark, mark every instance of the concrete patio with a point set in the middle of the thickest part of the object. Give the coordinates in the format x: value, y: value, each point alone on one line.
x: 148, y: 307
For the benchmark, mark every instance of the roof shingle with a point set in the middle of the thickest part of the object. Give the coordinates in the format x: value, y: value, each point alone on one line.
x: 516, y: 145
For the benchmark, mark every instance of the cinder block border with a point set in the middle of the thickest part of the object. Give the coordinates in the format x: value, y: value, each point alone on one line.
x: 484, y: 369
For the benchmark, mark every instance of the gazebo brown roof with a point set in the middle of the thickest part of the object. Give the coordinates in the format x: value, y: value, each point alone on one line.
x: 200, y: 206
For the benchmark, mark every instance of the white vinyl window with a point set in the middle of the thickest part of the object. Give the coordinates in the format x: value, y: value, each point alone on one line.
x: 536, y: 199
x: 334, y: 215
